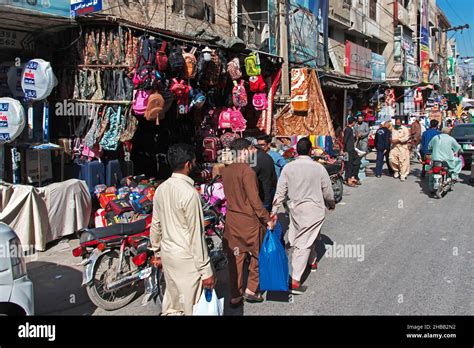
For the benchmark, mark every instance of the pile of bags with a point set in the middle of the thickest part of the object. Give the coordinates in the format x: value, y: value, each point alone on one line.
x: 131, y: 202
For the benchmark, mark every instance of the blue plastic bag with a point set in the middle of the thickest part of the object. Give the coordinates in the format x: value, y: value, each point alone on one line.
x: 273, y: 264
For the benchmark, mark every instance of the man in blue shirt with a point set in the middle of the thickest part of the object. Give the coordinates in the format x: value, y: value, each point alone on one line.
x: 425, y: 140
x: 279, y: 161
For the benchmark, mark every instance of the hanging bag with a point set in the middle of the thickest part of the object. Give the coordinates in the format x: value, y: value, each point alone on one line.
x: 224, y: 118
x: 252, y: 64
x: 233, y: 68
x: 190, y: 68
x: 239, y: 94
x: 162, y: 58
x: 260, y: 101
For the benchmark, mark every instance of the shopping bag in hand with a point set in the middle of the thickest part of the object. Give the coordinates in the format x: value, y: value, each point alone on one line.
x: 209, y: 304
x: 273, y: 264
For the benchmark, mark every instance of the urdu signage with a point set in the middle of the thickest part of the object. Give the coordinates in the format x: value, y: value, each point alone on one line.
x: 358, y: 60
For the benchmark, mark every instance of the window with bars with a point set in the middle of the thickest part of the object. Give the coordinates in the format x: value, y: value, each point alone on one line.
x: 197, y: 9
x: 373, y: 9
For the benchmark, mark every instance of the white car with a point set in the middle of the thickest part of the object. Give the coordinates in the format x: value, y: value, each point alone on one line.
x: 16, y: 289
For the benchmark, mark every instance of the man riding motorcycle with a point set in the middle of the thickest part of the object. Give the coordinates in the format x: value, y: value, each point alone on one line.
x: 443, y: 147
x: 425, y: 140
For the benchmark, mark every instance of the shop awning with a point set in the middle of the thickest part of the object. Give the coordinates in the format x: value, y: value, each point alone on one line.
x: 340, y: 84
x: 26, y: 20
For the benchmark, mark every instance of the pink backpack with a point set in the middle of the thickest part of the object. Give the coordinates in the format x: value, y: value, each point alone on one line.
x: 260, y: 101
x: 237, y: 121
x: 140, y: 101
x: 224, y: 118
x: 239, y: 94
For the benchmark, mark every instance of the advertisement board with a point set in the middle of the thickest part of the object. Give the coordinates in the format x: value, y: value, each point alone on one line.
x: 60, y: 8
x: 378, y: 67
x: 307, y: 28
x: 358, y: 60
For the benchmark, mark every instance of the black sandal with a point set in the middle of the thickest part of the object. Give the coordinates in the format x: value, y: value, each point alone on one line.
x: 253, y: 298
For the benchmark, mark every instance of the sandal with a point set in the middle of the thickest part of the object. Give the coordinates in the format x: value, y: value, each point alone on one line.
x: 253, y: 298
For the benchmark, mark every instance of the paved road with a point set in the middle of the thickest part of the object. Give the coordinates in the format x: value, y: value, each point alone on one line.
x: 415, y: 257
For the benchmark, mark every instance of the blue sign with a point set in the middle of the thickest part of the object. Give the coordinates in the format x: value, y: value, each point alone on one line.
x: 82, y: 7
x: 51, y: 7
x: 378, y: 67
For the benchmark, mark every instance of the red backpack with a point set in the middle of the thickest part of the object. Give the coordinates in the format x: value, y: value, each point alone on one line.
x: 181, y: 91
x: 237, y: 121
x: 257, y: 84
x: 162, y: 58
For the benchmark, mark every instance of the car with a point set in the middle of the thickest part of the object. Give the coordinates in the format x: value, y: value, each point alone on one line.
x: 464, y: 135
x: 16, y: 289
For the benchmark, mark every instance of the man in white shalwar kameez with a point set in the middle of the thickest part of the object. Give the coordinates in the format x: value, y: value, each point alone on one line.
x: 177, y: 235
x: 307, y: 186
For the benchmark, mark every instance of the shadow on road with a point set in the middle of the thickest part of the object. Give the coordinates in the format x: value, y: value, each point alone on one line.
x: 58, y: 290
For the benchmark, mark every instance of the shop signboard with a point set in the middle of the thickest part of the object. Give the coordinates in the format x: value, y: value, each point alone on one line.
x: 337, y: 55
x: 397, y: 44
x: 51, y: 7
x: 308, y: 28
x: 424, y: 42
x: 434, y: 75
x: 12, y: 39
x: 358, y: 60
x: 82, y: 7
x: 412, y: 73
x: 451, y: 66
x: 378, y: 67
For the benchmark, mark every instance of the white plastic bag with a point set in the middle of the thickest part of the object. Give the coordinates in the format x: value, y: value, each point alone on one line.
x: 213, y: 307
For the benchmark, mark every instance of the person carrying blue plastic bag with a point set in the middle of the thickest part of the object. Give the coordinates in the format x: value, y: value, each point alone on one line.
x: 307, y: 186
x: 273, y: 264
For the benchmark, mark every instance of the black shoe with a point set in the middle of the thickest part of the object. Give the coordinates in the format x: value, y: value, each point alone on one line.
x: 253, y: 298
x: 297, y: 291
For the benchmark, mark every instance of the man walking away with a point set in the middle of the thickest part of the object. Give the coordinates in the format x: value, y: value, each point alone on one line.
x: 177, y: 235
x: 352, y: 165
x: 307, y: 186
x: 400, y: 152
x: 245, y: 223
x: 382, y: 144
x: 361, y: 131
x: 279, y: 161
x: 266, y: 176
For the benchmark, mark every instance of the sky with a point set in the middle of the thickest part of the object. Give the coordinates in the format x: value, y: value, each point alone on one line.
x: 460, y: 12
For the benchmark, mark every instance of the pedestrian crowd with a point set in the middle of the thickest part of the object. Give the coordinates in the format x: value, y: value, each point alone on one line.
x: 256, y: 194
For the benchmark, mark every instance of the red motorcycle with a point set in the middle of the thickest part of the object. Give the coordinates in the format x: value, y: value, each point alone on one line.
x: 115, y: 259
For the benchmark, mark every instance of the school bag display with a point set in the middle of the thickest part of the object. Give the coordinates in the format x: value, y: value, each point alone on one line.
x: 181, y: 90
x: 211, y: 147
x: 252, y: 64
x: 260, y: 101
x: 190, y: 63
x: 176, y: 61
x: 233, y: 69
x: 162, y: 58
x: 257, y: 84
x: 237, y: 121
x: 224, y: 119
x: 239, y: 94
x: 140, y: 101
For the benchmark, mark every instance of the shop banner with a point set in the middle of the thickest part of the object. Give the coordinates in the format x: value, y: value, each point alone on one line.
x: 308, y: 28
x: 425, y: 65
x: 424, y: 42
x: 378, y: 67
x: 337, y: 54
x: 12, y: 39
x: 51, y: 7
x: 83, y: 7
x: 412, y: 73
x: 358, y: 60
x: 451, y: 67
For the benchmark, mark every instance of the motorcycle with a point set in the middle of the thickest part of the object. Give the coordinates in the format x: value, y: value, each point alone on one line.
x: 440, y: 179
x: 336, y: 171
x: 115, y: 259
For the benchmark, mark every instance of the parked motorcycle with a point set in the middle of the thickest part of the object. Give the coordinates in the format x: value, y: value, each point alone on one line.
x: 440, y: 179
x: 336, y: 171
x: 115, y: 259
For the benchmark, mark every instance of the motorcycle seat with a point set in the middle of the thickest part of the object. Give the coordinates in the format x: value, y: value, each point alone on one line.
x: 90, y: 234
x: 443, y: 164
x: 333, y: 168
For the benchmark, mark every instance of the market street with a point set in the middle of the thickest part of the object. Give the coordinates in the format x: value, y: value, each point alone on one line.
x: 417, y: 256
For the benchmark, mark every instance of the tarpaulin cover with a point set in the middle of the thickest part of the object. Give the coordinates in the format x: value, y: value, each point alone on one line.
x: 41, y: 215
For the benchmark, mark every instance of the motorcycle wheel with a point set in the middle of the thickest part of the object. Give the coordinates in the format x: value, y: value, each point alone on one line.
x: 106, y: 270
x: 338, y: 188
